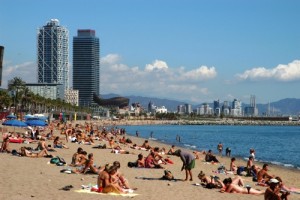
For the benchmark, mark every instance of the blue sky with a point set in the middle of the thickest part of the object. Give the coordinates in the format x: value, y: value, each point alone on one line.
x: 190, y: 50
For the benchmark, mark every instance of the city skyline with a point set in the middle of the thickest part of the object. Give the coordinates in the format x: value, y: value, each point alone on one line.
x: 193, y: 51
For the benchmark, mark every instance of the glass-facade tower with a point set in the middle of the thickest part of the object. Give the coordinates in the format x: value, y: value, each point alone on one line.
x: 53, y: 54
x: 86, y: 65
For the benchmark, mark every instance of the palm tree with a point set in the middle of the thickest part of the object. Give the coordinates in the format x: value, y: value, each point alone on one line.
x: 16, y: 85
x: 5, y: 99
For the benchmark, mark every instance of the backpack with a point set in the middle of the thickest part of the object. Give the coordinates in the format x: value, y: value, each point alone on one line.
x: 54, y: 160
x: 240, y: 169
x: 131, y: 164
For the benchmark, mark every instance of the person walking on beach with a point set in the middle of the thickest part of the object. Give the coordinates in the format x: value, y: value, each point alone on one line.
x: 137, y: 134
x: 188, y: 161
x: 220, y: 148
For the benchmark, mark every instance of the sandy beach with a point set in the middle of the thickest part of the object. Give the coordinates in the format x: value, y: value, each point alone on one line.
x: 35, y: 178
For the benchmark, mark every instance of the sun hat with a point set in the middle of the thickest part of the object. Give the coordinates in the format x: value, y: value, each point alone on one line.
x: 273, y: 180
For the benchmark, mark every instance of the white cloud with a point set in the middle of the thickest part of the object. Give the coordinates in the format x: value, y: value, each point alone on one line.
x: 157, y: 65
x: 289, y: 72
x: 26, y: 71
x: 156, y: 79
x: 201, y: 73
x: 110, y: 59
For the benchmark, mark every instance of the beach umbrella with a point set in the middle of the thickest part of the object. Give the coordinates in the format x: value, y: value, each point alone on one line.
x: 36, y: 123
x: 15, y: 123
x: 11, y: 117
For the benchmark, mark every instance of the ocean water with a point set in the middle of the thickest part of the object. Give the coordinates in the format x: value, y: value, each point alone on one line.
x: 278, y: 145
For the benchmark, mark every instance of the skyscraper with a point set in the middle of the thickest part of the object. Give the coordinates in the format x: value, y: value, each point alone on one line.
x: 53, y: 54
x: 1, y: 61
x: 86, y: 65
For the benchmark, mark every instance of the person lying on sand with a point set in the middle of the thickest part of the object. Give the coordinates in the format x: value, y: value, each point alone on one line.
x: 230, y: 187
x: 26, y: 153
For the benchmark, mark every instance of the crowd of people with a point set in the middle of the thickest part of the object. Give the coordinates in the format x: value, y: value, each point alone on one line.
x: 110, y: 179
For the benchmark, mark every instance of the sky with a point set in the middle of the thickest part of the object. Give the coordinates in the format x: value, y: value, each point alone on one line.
x: 195, y: 51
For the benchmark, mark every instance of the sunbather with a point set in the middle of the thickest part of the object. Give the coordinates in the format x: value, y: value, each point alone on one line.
x: 230, y: 187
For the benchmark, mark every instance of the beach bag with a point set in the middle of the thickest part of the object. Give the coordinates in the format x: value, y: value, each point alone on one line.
x: 240, y: 169
x: 210, y: 186
x: 54, y: 160
x: 131, y: 164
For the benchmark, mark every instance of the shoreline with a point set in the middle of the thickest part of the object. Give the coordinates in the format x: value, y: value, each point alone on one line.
x: 225, y: 122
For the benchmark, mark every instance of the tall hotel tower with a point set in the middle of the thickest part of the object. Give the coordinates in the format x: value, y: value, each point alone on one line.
x: 53, y: 54
x: 86, y: 65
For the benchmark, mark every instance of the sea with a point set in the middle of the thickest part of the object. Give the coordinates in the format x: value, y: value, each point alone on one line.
x: 279, y: 145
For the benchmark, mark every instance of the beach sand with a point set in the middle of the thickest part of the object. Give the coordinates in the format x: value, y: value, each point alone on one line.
x: 33, y: 178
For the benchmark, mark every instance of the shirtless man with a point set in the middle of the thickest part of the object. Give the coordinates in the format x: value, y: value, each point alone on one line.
x: 263, y: 177
x: 75, y: 157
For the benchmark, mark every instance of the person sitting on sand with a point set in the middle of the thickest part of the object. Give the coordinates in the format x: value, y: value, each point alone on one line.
x: 209, y: 157
x: 5, y: 144
x: 42, y: 145
x: 119, y: 178
x: 146, y: 145
x: 88, y: 140
x: 188, y: 161
x: 140, y: 163
x: 26, y: 153
x: 274, y: 190
x: 113, y: 145
x: 105, y: 184
x: 171, y: 150
x: 75, y: 157
x: 89, y: 165
x: 263, y: 177
x: 230, y: 187
x: 150, y: 161
x: 233, y: 167
x: 59, y: 144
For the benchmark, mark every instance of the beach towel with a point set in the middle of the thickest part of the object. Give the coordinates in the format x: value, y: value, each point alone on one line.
x: 88, y: 191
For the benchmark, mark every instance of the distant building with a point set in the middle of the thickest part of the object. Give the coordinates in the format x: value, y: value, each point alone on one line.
x: 53, y: 54
x: 86, y: 66
x: 188, y: 109
x: 251, y: 111
x: 162, y: 109
x: 1, y: 61
x: 217, y: 109
x: 181, y: 109
x: 72, y: 96
x: 151, y: 107
x: 47, y: 90
x: 236, y: 109
x: 204, y: 109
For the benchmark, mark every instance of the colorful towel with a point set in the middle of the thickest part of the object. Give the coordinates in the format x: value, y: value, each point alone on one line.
x: 90, y: 192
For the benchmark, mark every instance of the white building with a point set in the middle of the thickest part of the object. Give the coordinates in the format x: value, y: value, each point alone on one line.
x: 162, y: 109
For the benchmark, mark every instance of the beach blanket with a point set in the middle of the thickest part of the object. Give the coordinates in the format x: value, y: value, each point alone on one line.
x: 114, y: 194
